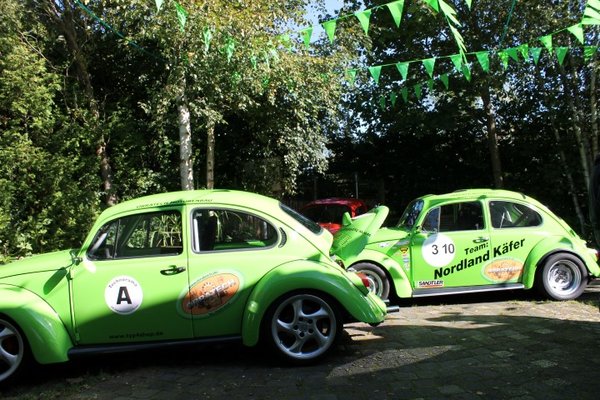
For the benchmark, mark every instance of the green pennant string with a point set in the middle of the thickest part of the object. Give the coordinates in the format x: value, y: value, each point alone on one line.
x: 434, y: 4
x: 430, y: 84
x: 561, y: 53
x: 159, y: 4
x: 504, y: 57
x: 403, y: 69
x: 429, y: 64
x: 375, y: 72
x: 513, y: 53
x: 591, y: 14
x: 382, y: 102
x: 229, y: 49
x: 306, y: 36
x: 484, y: 60
x: 364, y: 17
x: 589, y: 52
x: 393, y: 98
x: 286, y: 41
x: 396, y: 9
x: 577, y: 31
x: 468, y: 3
x: 445, y: 80
x: 536, y: 52
x: 467, y: 72
x: 547, y: 41
x: 254, y: 61
x: 207, y: 34
x: 524, y: 50
x: 182, y: 15
x: 404, y: 93
x: 418, y: 90
x: 457, y: 60
x: 329, y: 27
x: 351, y: 76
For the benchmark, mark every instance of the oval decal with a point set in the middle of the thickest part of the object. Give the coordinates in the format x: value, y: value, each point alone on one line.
x: 503, y: 270
x: 209, y: 294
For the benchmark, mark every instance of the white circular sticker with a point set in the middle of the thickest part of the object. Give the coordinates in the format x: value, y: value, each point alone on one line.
x: 438, y: 250
x: 123, y: 295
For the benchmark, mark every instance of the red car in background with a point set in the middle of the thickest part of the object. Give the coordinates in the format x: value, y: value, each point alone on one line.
x: 329, y: 212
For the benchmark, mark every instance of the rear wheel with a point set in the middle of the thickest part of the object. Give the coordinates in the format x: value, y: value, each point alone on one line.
x: 13, y: 350
x: 378, y: 281
x: 303, y: 327
x: 563, y: 277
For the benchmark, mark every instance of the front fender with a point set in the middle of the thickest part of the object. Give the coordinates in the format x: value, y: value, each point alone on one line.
x: 398, y: 275
x: 308, y: 275
x: 555, y: 244
x: 45, y: 332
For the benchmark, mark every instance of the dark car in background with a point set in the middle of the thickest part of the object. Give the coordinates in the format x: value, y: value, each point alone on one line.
x: 329, y: 212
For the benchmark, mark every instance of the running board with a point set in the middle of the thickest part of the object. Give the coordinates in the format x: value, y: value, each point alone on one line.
x: 466, y: 289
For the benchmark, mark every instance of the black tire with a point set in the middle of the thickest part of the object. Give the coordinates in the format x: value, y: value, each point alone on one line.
x: 14, y: 351
x: 563, y: 277
x: 378, y: 280
x: 302, y: 328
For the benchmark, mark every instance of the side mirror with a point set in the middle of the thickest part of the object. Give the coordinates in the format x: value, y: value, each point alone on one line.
x: 76, y: 260
x: 346, y: 219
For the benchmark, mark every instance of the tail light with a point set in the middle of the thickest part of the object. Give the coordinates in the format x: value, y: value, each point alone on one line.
x: 365, y: 280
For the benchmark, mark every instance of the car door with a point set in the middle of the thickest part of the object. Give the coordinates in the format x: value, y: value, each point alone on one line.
x: 450, y: 247
x: 232, y: 249
x: 127, y: 287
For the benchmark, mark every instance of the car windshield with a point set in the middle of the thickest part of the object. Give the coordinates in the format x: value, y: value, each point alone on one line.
x: 310, y: 225
x: 410, y: 215
x: 327, y: 213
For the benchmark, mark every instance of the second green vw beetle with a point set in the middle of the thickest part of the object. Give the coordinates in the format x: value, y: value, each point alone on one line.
x: 183, y: 268
x: 472, y: 241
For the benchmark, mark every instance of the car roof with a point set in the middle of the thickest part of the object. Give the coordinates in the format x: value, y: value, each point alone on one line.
x: 480, y: 194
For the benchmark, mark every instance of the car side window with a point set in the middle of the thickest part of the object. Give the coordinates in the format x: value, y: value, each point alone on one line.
x: 466, y: 216
x: 140, y: 235
x: 221, y: 230
x: 505, y: 214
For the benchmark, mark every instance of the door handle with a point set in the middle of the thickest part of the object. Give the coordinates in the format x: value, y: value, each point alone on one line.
x: 481, y: 239
x: 172, y: 270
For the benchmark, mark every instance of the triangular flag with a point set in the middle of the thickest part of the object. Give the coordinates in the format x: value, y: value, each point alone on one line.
x: 577, y: 31
x: 364, y: 17
x: 547, y: 41
x: 484, y: 60
x: 536, y: 52
x: 159, y: 4
x: 306, y: 35
x: 445, y: 80
x: 396, y: 9
x: 589, y: 52
x: 207, y: 34
x: 430, y: 84
x: 393, y: 98
x: 229, y: 49
x: 504, y: 57
x: 434, y: 4
x: 561, y: 52
x: 182, y: 15
x: 404, y: 93
x: 468, y: 3
x: 457, y: 60
x: 382, y: 102
x: 513, y: 52
x: 467, y: 72
x: 351, y: 75
x: 375, y: 72
x: 329, y: 27
x: 591, y: 16
x: 524, y: 50
x: 429, y: 64
x: 403, y: 69
x: 418, y: 90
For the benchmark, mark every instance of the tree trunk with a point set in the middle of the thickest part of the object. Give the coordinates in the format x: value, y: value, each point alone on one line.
x: 210, y: 154
x: 186, y: 170
x: 593, y: 109
x: 492, y: 137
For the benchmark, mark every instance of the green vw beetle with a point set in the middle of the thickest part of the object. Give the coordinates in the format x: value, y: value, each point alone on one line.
x: 183, y: 267
x: 472, y: 241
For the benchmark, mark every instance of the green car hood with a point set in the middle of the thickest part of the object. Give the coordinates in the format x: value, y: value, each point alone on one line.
x: 38, y: 263
x: 356, y: 232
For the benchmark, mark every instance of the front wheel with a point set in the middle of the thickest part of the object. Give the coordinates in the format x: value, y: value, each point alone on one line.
x: 303, y: 327
x: 378, y: 281
x: 13, y: 351
x: 563, y: 277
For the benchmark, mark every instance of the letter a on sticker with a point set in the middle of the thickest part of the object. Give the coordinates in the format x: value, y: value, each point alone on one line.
x: 123, y: 295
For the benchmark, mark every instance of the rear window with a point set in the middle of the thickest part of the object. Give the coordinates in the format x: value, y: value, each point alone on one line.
x: 310, y: 225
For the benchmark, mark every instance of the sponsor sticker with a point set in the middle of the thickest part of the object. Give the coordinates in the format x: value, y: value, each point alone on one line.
x: 210, y: 293
x: 503, y: 270
x: 123, y: 295
x: 430, y: 284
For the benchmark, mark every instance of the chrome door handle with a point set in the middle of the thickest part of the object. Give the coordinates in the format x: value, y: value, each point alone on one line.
x: 172, y: 270
x: 481, y: 239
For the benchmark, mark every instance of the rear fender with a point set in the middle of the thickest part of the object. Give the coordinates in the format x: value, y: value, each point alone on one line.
x: 399, y: 277
x: 307, y: 276
x: 45, y: 332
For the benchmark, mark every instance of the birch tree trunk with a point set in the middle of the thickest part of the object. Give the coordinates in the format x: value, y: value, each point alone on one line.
x: 492, y: 137
x: 210, y: 154
x: 186, y: 168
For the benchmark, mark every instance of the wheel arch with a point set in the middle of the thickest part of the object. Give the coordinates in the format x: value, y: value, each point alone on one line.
x: 307, y: 277
x: 46, y: 335
x: 400, y: 286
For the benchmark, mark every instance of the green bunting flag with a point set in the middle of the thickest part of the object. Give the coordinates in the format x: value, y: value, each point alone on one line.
x: 393, y: 98
x: 254, y: 61
x: 589, y: 52
x: 182, y: 15
x: 457, y: 60
x: 159, y: 4
x: 504, y: 57
x: 404, y: 93
x: 351, y: 76
x: 364, y: 17
x: 484, y: 60
x: 536, y: 52
x: 467, y: 72
x: 591, y: 15
x: 329, y: 27
x: 429, y: 64
x: 286, y: 41
x: 306, y: 36
x: 468, y: 3
x: 396, y: 9
x: 577, y: 31
x: 513, y: 52
x: 445, y: 80
x: 524, y: 50
x: 403, y: 69
x: 207, y: 34
x: 434, y: 4
x: 430, y: 84
x: 418, y: 90
x: 561, y: 52
x: 547, y: 41
x: 382, y: 102
x: 375, y: 72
